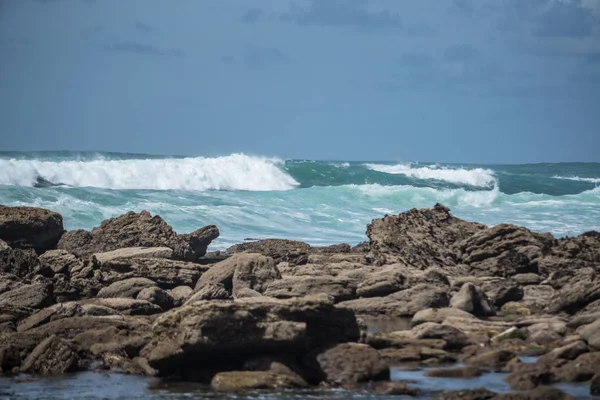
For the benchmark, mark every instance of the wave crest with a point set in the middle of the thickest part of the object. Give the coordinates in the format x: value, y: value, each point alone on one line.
x: 576, y: 178
x: 475, y: 177
x: 233, y: 172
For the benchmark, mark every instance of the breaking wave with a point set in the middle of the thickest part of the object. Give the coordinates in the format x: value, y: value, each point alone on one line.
x: 479, y: 177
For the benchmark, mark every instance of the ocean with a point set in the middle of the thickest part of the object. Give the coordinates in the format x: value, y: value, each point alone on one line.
x: 319, y: 202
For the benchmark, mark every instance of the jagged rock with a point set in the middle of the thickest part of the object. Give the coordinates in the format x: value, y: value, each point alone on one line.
x: 573, y: 253
x: 52, y: 356
x: 139, y: 230
x: 61, y: 261
x: 167, y: 274
x: 28, y: 296
x: 30, y: 228
x: 19, y: 262
x: 180, y: 294
x: 420, y: 238
x: 403, y: 303
x: 127, y: 288
x: 471, y: 300
x: 351, y: 363
x: 225, y: 330
x: 574, y: 296
x: 280, y: 250
x: 438, y: 315
x: 505, y: 250
x: 158, y: 296
x: 299, y: 286
x: 245, y: 380
x: 134, y: 252
x: 208, y: 292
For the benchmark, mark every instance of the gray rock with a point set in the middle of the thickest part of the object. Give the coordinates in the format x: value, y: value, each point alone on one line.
x: 127, y: 288
x: 158, y: 296
x: 28, y: 296
x: 471, y: 300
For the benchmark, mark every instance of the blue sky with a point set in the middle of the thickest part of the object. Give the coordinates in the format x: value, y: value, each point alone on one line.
x: 432, y: 80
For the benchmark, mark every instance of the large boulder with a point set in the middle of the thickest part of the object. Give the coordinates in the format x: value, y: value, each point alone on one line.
x: 51, y: 357
x: 505, y: 250
x: 351, y: 363
x: 139, y: 230
x: 420, y: 238
x: 225, y: 331
x: 30, y: 228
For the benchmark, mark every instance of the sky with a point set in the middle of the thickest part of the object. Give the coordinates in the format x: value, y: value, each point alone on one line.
x: 484, y: 81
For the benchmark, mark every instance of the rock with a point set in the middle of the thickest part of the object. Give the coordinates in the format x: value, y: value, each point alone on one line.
x: 527, y: 377
x: 10, y: 358
x: 253, y: 271
x: 574, y: 296
x: 469, y: 394
x: 134, y: 252
x: 403, y: 303
x: 595, y: 385
x: 9, y: 282
x: 401, y: 339
x: 581, y: 369
x: 537, y: 298
x: 392, y: 389
x: 381, y: 284
x: 180, y: 294
x: 461, y: 372
x: 208, y: 292
x: 539, y: 393
x: 139, y: 230
x: 52, y: 313
x: 280, y: 250
x: 30, y: 228
x: 568, y: 352
x: 544, y: 337
x: 504, y: 250
x: 299, y: 286
x: 469, y: 299
x: 454, y: 338
x: 245, y: 380
x: 528, y: 279
x: 18, y: 262
x: 351, y: 363
x: 167, y: 274
x: 419, y: 238
x: 515, y: 308
x: 158, y: 296
x: 496, y: 358
x: 28, y: 296
x: 502, y: 291
x: 438, y: 315
x: 590, y: 333
x: 123, y: 306
x: 127, y: 288
x: 332, y: 249
x: 474, y: 327
x: 223, y: 331
x: 61, y: 261
x: 52, y: 356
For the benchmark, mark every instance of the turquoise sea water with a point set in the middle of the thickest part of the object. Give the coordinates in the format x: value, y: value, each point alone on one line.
x: 320, y: 202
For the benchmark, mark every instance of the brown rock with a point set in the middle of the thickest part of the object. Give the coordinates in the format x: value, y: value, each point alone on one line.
x: 471, y: 300
x: 438, y: 315
x: 245, y: 380
x: 461, y: 373
x: 280, y: 250
x: 496, y: 358
x: 299, y: 286
x: 127, y: 288
x: 591, y: 334
x: 470, y: 394
x: 454, y: 338
x: 52, y: 356
x: 208, y: 292
x: 180, y: 294
x: 30, y: 228
x: 351, y: 363
x: 595, y: 385
x: 27, y: 296
x: 61, y: 261
x: 158, y: 296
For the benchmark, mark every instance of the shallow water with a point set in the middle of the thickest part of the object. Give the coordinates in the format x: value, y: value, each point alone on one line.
x: 93, y: 385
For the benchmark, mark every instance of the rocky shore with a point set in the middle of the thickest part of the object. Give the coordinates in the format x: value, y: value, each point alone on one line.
x: 426, y: 290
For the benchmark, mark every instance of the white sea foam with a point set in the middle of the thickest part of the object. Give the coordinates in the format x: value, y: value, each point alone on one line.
x: 576, y: 178
x: 475, y: 177
x: 233, y: 172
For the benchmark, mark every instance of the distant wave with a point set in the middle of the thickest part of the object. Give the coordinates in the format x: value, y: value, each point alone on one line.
x: 475, y: 177
x: 576, y: 178
x: 233, y: 172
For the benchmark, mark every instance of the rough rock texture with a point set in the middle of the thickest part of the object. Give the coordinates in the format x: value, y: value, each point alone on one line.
x: 591, y: 334
x: 351, y: 363
x: 139, y: 230
x: 52, y: 356
x: 127, y: 288
x: 291, y: 251
x: 20, y: 262
x: 30, y: 228
x: 471, y: 300
x: 504, y: 250
x: 212, y: 291
x: 225, y: 330
x: 27, y: 296
x: 180, y: 294
x: 245, y: 380
x: 438, y: 315
x: 298, y: 286
x: 158, y: 296
x: 60, y: 261
x: 420, y: 238
x: 134, y: 252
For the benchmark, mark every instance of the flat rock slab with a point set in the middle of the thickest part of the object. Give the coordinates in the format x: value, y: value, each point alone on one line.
x: 135, y: 252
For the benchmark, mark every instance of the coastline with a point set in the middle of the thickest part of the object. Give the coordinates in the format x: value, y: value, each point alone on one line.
x: 427, y: 289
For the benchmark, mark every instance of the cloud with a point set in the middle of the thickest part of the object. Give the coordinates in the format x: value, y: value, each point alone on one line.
x: 143, y: 27
x: 461, y: 53
x: 565, y: 18
x: 251, y: 15
x: 341, y: 13
x: 140, y: 48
